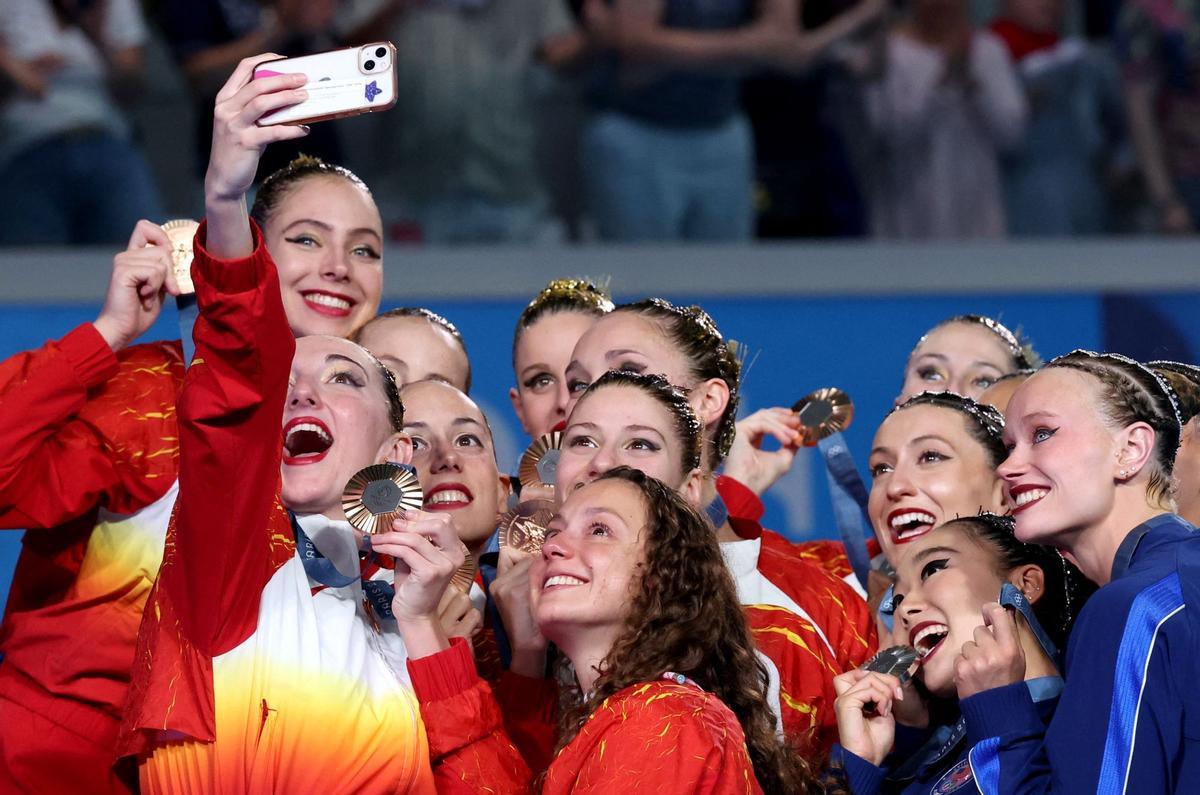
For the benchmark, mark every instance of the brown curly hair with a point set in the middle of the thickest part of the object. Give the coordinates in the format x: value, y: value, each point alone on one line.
x: 692, y: 331
x: 685, y: 618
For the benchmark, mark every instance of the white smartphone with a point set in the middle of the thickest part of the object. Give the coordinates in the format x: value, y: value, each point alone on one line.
x: 341, y: 83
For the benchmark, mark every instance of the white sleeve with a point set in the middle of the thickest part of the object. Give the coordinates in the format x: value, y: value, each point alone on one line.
x: 124, y: 25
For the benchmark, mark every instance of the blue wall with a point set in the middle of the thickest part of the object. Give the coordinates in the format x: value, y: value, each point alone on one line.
x: 795, y: 344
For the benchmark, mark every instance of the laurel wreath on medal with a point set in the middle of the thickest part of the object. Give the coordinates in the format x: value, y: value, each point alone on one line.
x: 181, y: 232
x: 524, y: 527
x: 540, y: 461
x: 823, y: 413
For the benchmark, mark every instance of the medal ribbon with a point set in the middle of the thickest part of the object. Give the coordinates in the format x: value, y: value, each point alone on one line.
x: 318, y: 567
x: 717, y: 512
x: 189, y: 311
x: 849, y: 497
x: 1011, y: 596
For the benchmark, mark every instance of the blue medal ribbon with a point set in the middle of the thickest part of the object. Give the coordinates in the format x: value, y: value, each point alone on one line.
x: 318, y: 567
x: 189, y: 311
x: 717, y: 512
x: 1011, y: 596
x: 849, y: 496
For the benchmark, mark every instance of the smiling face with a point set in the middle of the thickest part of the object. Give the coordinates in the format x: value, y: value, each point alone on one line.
x: 628, y: 341
x: 590, y: 566
x: 336, y: 422
x: 958, y: 357
x: 927, y: 469
x: 619, y: 426
x: 943, y: 581
x: 415, y: 349
x: 541, y: 399
x: 454, y: 458
x: 1062, y: 461
x: 326, y: 239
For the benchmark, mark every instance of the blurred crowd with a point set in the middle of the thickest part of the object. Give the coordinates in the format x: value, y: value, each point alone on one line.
x: 544, y: 121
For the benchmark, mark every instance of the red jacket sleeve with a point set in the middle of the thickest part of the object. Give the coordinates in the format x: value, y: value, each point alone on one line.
x: 229, y: 532
x: 530, y: 710
x: 230, y: 416
x: 94, y: 428
x: 468, y: 746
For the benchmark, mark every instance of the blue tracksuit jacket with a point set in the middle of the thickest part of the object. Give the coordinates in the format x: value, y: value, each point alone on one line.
x: 940, y: 765
x: 1128, y: 720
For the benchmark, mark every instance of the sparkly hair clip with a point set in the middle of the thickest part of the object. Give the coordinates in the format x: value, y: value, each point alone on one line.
x: 1164, y: 388
x: 1022, y: 352
x: 584, y: 291
x: 988, y: 417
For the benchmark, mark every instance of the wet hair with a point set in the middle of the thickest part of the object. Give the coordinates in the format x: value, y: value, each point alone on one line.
x: 1131, y: 392
x: 1024, y: 357
x: 685, y: 618
x: 687, y: 427
x: 563, y: 295
x: 1065, y: 589
x: 984, y: 422
x: 276, y: 186
x: 434, y: 319
x: 696, y: 336
x: 1185, y: 380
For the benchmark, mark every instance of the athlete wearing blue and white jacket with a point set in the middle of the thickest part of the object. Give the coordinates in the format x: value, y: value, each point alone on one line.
x: 1129, y: 718
x: 945, y: 600
x: 1092, y: 441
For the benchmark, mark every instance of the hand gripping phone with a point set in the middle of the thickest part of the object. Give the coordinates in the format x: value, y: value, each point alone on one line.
x: 341, y: 83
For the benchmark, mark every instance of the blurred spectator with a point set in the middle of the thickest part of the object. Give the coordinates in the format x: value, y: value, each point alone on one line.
x: 806, y: 185
x: 464, y: 132
x: 1159, y: 45
x: 209, y: 37
x: 667, y: 153
x: 69, y: 172
x: 946, y: 102
x: 1053, y: 181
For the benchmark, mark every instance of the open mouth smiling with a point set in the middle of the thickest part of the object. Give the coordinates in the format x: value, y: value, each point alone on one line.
x: 909, y: 524
x: 306, y: 440
x: 927, y: 638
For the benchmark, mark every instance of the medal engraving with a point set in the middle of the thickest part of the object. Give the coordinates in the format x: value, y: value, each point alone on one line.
x: 377, y: 494
x: 539, y: 464
x: 181, y: 233
x: 524, y: 527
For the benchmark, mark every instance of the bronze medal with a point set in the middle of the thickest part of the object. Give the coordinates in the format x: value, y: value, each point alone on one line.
x: 539, y: 464
x: 524, y: 527
x: 823, y: 413
x: 181, y: 233
x: 377, y: 494
x: 464, y: 578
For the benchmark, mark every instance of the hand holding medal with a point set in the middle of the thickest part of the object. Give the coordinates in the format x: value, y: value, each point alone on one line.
x: 865, y: 696
x: 142, y: 274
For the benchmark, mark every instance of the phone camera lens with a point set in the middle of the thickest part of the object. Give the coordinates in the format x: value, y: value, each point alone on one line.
x: 370, y: 65
x: 380, y: 52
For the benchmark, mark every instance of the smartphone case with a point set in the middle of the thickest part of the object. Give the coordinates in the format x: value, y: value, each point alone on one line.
x: 338, y: 86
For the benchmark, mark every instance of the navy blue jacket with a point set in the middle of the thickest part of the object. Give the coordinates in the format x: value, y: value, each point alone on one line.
x: 1129, y: 718
x: 941, y: 765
